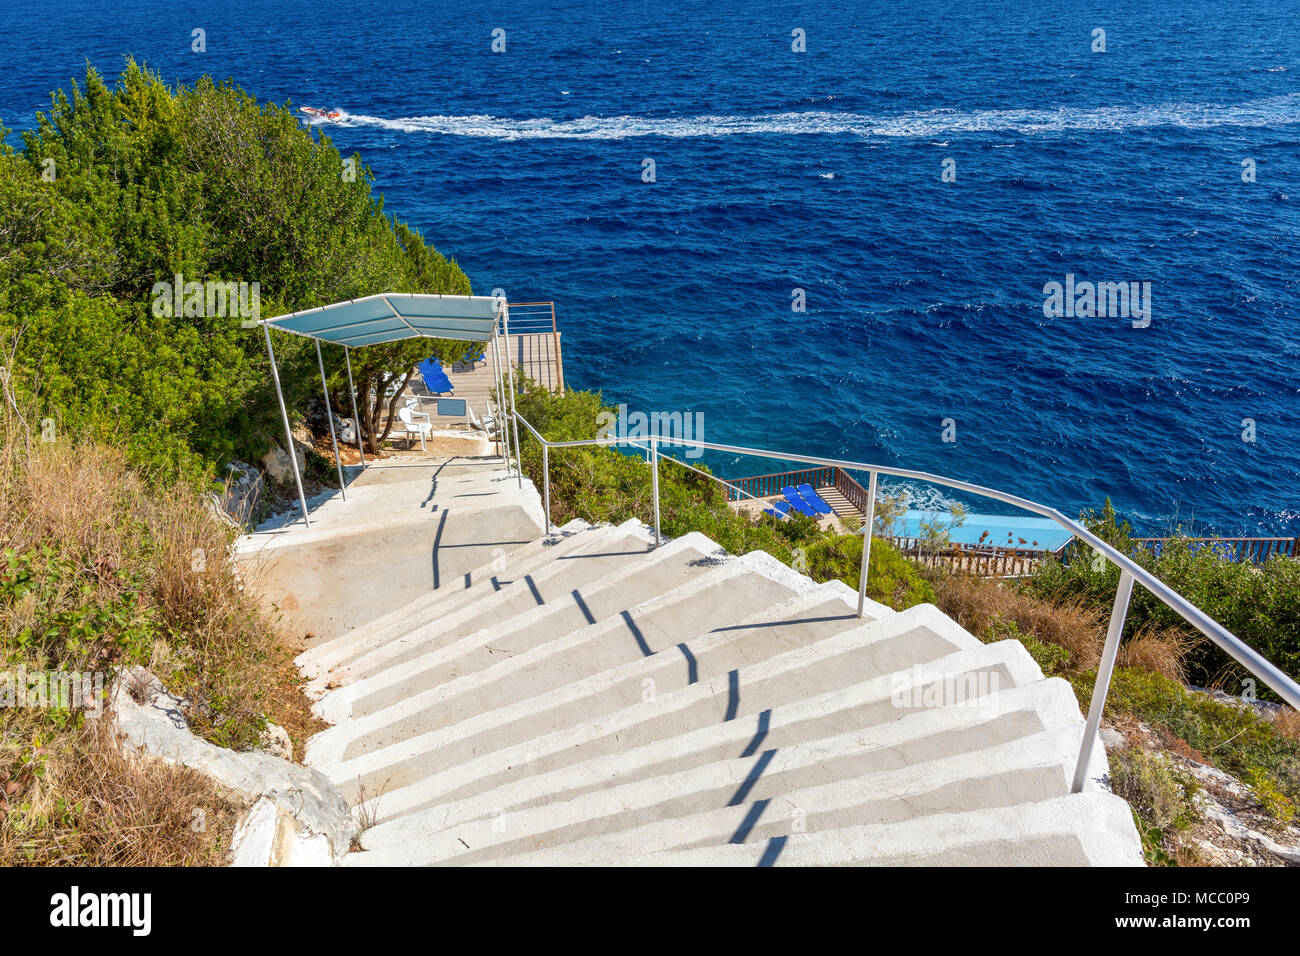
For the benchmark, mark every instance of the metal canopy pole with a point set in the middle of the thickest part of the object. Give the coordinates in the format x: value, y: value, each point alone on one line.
x: 496, y: 393
x: 510, y: 369
x: 288, y: 432
x: 329, y: 415
x: 356, y: 419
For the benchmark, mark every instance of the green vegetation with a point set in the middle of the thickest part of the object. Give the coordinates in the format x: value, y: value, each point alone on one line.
x: 1063, y: 628
x: 101, y: 570
x: 1228, y: 737
x: 120, y: 190
x: 1260, y: 604
x: 601, y: 484
x: 118, y: 402
x: 1162, y: 797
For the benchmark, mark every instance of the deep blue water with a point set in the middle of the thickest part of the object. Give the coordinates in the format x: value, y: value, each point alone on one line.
x: 821, y: 170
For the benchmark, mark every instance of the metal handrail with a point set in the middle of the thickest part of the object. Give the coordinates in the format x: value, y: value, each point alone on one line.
x: 1130, y: 570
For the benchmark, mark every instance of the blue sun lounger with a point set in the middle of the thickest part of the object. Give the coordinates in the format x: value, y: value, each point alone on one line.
x: 435, y: 379
x: 778, y: 510
x: 797, y: 501
x: 817, y: 501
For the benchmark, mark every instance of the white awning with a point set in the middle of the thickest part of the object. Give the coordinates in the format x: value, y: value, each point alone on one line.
x: 393, y: 316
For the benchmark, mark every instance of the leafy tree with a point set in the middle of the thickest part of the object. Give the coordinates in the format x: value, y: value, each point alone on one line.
x: 120, y: 188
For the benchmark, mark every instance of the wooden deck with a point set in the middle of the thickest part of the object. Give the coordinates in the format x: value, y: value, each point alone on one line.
x: 848, y: 499
x: 830, y: 494
x: 537, y: 353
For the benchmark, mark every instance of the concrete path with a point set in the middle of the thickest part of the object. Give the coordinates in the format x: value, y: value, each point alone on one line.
x: 408, y: 527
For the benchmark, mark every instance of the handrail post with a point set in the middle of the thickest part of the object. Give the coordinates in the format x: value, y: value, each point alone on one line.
x: 654, y: 482
x: 329, y: 416
x: 1104, y: 670
x: 866, y: 544
x: 546, y: 484
x: 502, y: 414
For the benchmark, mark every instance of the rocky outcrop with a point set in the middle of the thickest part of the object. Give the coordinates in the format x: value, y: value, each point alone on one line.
x: 243, y: 492
x: 279, y: 465
x: 298, y: 818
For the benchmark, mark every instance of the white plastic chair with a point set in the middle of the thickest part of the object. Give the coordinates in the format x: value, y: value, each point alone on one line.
x: 417, y: 423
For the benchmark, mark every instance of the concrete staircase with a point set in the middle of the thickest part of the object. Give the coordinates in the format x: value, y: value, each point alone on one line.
x: 586, y: 698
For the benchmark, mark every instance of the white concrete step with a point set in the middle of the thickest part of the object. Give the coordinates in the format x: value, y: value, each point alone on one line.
x: 496, y: 574
x: 568, y: 591
x: 479, y: 634
x: 671, y: 732
x: 575, y: 703
x: 1023, y: 770
x: 392, y: 497
x: 1086, y: 829
x: 737, y: 668
x: 730, y: 591
x: 402, y: 533
x: 792, y: 745
x: 584, y: 698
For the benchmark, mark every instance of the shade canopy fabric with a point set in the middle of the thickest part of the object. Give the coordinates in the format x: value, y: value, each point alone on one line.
x: 393, y: 316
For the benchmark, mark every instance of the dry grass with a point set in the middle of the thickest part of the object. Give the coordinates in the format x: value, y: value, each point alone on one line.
x: 1158, y: 651
x: 1287, y: 723
x: 92, y: 805
x: 113, y: 569
x: 978, y: 604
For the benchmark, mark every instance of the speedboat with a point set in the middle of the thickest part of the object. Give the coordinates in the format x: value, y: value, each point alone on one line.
x: 332, y: 115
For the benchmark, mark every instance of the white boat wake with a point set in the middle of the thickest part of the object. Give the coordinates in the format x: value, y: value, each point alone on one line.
x: 1272, y: 111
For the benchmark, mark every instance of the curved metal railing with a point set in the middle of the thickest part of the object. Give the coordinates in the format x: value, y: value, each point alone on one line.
x: 1130, y: 571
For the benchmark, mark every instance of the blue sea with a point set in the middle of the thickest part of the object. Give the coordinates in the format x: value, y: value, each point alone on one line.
x: 778, y: 170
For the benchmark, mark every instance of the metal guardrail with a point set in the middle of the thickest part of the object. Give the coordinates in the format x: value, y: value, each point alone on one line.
x: 538, y: 319
x: 1130, y: 571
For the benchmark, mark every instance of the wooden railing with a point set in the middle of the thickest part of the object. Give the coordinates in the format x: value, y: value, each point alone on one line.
x: 770, y: 485
x: 982, y: 562
x: 538, y: 319
x: 1255, y: 550
x: 766, y: 486
x: 846, y: 485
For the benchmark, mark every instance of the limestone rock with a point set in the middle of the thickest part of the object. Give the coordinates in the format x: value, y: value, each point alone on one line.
x: 243, y: 491
x: 1113, y: 739
x: 275, y: 740
x: 150, y: 720
x: 280, y: 467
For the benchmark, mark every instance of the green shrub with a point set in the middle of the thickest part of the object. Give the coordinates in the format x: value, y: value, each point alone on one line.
x: 151, y: 181
x: 1232, y: 738
x: 1260, y: 604
x: 891, y: 578
x: 1161, y: 796
x: 602, y: 484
